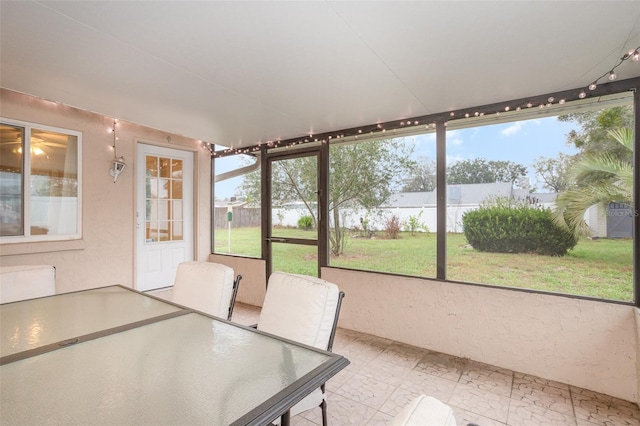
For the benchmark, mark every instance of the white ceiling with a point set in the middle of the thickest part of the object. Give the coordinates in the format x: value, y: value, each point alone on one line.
x: 240, y: 73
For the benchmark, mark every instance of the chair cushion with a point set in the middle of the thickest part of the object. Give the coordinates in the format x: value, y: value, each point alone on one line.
x: 425, y: 410
x: 26, y: 282
x: 300, y: 308
x: 204, y: 286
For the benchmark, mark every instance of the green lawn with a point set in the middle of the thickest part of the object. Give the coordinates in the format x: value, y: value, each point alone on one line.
x: 597, y: 268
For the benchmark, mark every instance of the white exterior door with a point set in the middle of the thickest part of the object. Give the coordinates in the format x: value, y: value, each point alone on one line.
x: 164, y: 214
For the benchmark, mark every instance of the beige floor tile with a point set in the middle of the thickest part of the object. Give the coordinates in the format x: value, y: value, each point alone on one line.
x: 380, y: 419
x: 400, y: 354
x: 387, y: 372
x: 374, y: 341
x: 541, y: 393
x: 342, y: 411
x: 398, y: 400
x: 366, y: 390
x: 487, y: 378
x: 384, y: 376
x: 464, y: 417
x: 522, y: 413
x: 429, y: 385
x: 343, y: 337
x: 535, y: 379
x: 482, y: 402
x: 299, y: 420
x: 604, y: 410
x: 441, y: 365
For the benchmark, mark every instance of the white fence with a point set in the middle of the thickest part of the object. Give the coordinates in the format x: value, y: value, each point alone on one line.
x: 425, y: 216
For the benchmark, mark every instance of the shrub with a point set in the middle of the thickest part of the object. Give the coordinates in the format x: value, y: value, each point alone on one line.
x: 516, y: 229
x: 414, y: 224
x: 305, y: 222
x: 392, y: 227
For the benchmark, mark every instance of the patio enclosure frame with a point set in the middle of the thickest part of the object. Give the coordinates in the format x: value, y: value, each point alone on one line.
x: 438, y: 121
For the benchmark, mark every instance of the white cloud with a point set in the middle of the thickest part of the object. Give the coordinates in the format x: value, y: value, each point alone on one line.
x: 513, y: 129
x: 454, y: 137
x: 455, y: 141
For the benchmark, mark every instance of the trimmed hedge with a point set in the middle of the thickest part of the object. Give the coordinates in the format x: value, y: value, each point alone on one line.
x: 519, y: 229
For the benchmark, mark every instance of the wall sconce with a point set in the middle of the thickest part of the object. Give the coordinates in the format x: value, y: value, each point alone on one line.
x: 117, y: 168
x: 118, y: 164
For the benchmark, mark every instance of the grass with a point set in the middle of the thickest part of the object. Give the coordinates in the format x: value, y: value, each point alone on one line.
x: 597, y: 268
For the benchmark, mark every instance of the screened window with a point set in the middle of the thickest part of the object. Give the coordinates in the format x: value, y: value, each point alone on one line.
x: 537, y: 199
x: 237, y: 211
x: 382, y: 205
x: 39, y: 192
x: 510, y: 184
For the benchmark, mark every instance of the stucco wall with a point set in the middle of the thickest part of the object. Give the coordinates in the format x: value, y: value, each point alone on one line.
x: 584, y: 343
x: 253, y: 284
x: 637, y: 315
x: 106, y: 253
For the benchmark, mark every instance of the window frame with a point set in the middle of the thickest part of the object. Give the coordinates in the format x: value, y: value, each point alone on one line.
x: 27, y: 237
x: 441, y: 121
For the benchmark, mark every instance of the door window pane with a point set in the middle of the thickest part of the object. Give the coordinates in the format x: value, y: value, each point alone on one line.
x: 164, y: 199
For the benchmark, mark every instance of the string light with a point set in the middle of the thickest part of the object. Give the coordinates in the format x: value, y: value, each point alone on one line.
x: 382, y: 128
x: 633, y: 54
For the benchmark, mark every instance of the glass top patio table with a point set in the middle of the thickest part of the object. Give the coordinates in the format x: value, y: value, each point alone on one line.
x: 184, y: 368
x: 35, y: 323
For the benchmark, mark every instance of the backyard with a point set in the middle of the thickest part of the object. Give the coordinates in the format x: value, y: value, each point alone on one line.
x: 600, y: 268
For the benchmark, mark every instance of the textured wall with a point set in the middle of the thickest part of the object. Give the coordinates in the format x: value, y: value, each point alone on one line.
x: 583, y: 343
x: 637, y: 315
x: 106, y: 253
x: 253, y: 285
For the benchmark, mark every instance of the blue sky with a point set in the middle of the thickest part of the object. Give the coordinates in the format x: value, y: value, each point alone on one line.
x: 519, y: 141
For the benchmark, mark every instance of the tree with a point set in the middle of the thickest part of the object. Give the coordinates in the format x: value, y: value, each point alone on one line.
x: 361, y: 175
x: 554, y: 172
x: 594, y: 137
x: 572, y: 204
x: 422, y: 178
x: 480, y: 170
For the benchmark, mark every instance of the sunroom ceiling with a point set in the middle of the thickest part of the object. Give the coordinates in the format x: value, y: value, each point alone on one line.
x: 240, y: 73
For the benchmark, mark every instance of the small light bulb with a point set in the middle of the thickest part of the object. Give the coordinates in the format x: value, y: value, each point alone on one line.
x: 612, y: 75
x: 562, y: 101
x: 507, y: 108
x: 635, y: 55
x: 466, y: 115
x: 529, y: 105
x: 550, y: 99
x: 582, y: 95
x: 593, y: 86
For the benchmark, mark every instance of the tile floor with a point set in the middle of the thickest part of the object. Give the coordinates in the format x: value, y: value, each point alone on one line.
x: 385, y: 375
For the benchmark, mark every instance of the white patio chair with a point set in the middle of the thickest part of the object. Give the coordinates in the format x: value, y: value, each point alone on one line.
x: 26, y: 282
x: 303, y: 309
x: 425, y: 410
x: 207, y: 287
